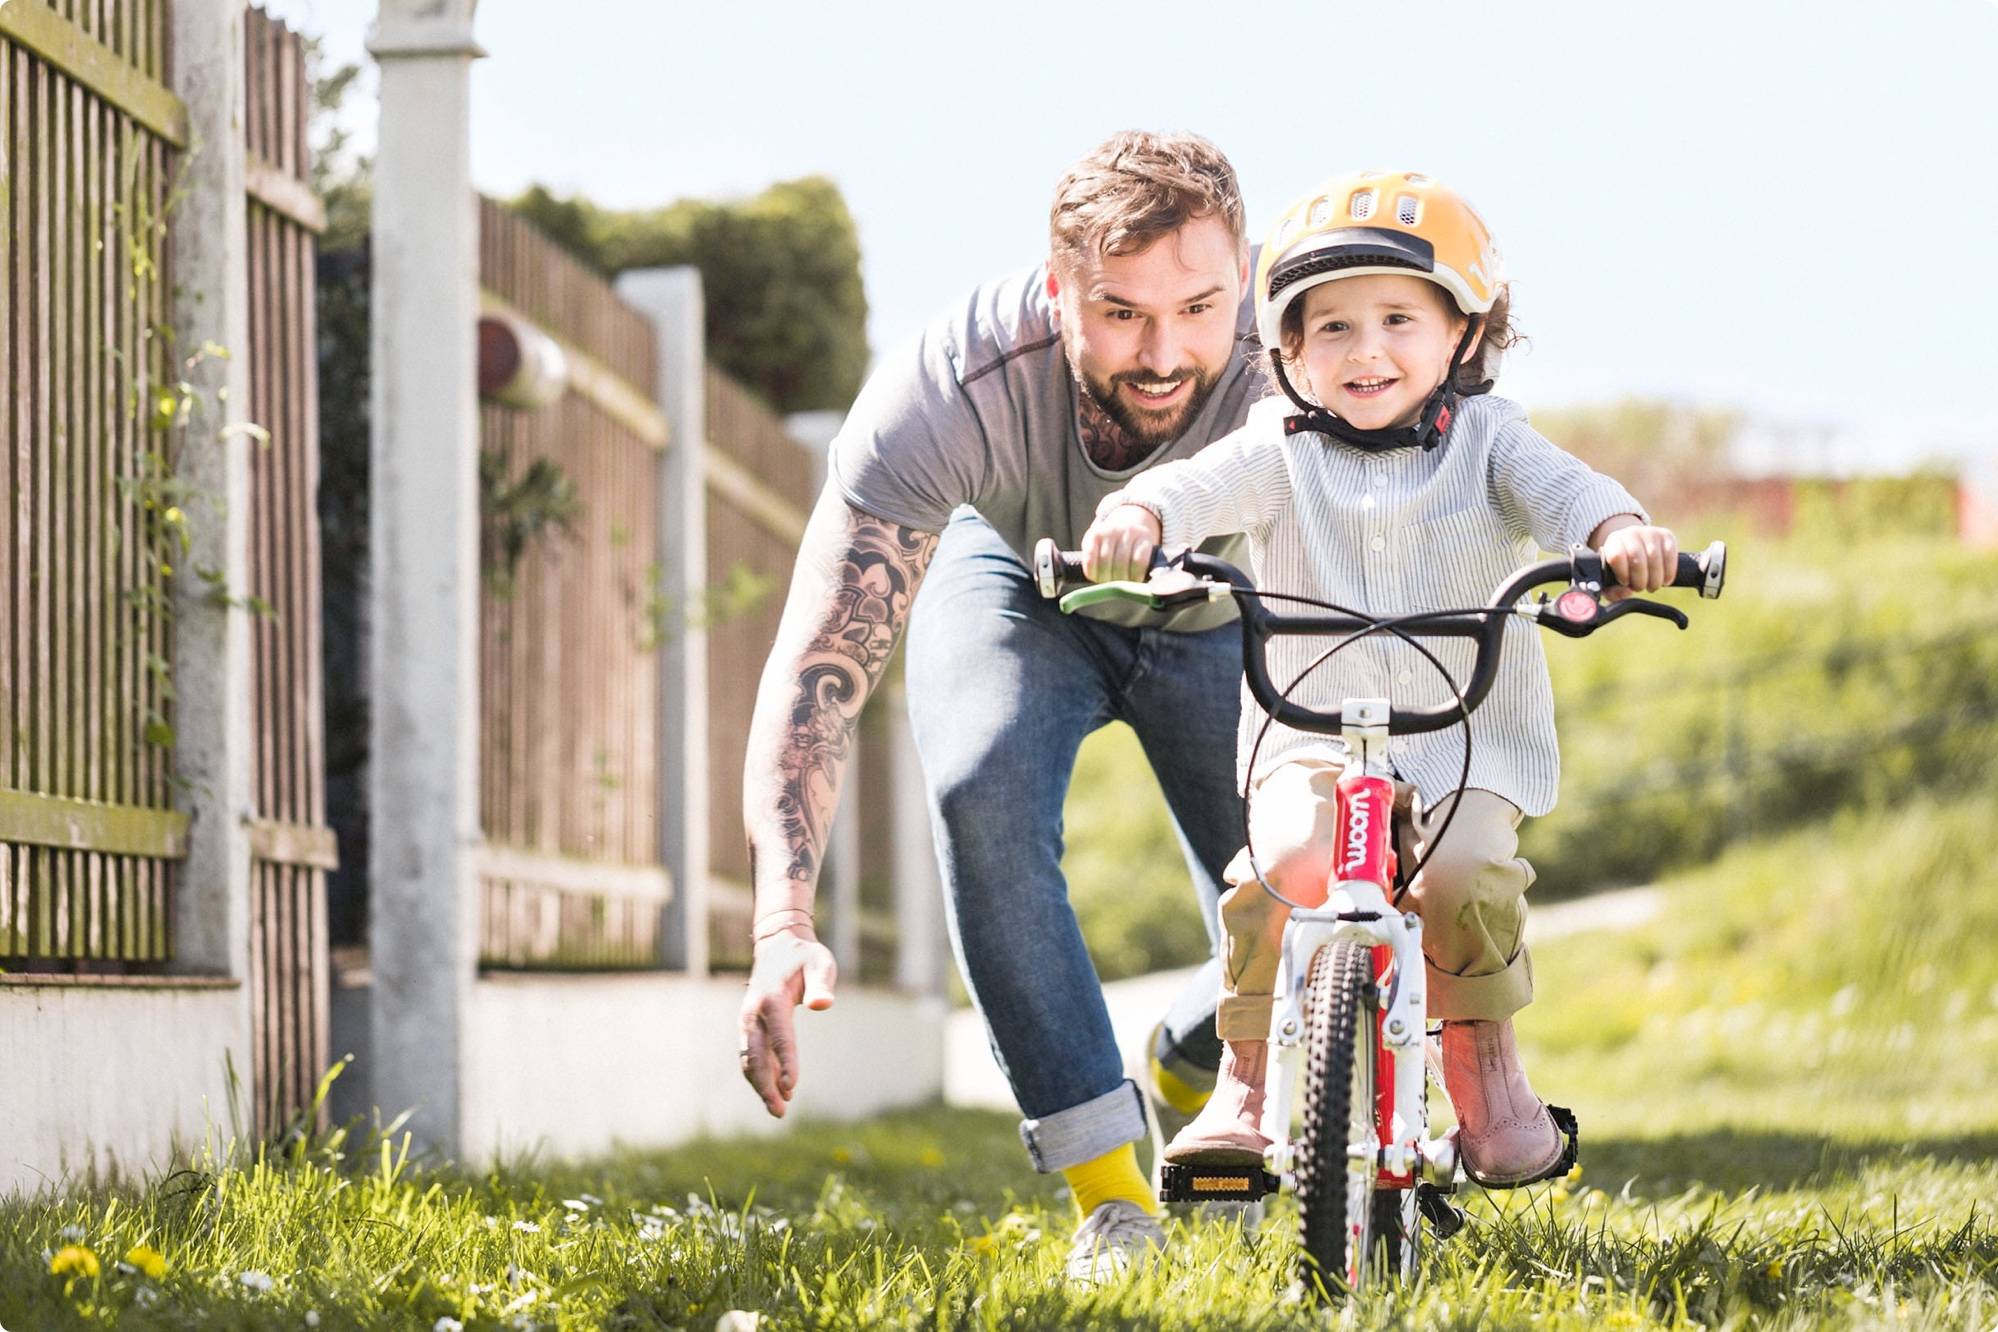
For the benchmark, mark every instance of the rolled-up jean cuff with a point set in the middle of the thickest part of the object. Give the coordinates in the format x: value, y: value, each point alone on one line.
x: 1493, y: 997
x: 1244, y: 1017
x: 1084, y: 1132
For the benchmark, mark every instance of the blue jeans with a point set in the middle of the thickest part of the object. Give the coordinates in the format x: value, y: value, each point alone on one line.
x: 1002, y: 688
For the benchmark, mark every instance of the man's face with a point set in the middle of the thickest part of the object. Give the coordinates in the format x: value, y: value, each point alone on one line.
x: 1148, y: 334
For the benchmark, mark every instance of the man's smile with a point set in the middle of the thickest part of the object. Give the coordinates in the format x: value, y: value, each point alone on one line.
x: 1153, y: 394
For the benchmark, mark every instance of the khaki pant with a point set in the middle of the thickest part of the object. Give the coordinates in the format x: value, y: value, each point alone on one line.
x: 1471, y: 896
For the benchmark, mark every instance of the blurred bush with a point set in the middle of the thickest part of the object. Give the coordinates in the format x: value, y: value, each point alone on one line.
x: 1833, y: 674
x: 786, y: 313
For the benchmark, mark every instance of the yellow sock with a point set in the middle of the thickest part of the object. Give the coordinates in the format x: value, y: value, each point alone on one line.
x: 1114, y: 1174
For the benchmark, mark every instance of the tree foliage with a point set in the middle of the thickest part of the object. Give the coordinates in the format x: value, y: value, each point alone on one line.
x: 786, y: 313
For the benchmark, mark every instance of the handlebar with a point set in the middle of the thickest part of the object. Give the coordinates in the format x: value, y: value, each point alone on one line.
x: 1576, y: 613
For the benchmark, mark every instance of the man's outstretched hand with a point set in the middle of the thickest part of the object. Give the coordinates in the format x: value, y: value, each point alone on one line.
x: 791, y: 967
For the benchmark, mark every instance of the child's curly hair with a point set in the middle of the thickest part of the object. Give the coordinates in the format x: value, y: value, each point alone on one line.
x: 1473, y: 376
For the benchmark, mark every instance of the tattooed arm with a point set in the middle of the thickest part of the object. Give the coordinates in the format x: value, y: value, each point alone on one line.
x: 849, y: 599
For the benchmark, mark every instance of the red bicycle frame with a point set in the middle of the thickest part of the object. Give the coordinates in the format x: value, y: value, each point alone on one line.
x: 1365, y: 850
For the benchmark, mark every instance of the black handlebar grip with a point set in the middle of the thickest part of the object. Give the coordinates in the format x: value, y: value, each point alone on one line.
x: 1706, y: 571
x: 1057, y: 570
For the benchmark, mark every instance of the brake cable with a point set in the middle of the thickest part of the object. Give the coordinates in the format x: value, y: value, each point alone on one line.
x: 1389, y: 624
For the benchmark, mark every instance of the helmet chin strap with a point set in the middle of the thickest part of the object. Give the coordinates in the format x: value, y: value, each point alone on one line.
x: 1431, y: 423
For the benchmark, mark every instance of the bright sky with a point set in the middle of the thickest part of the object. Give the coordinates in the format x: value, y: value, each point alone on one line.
x: 1786, y: 207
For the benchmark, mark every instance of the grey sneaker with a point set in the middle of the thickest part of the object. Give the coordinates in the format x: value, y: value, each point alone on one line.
x: 1111, y: 1240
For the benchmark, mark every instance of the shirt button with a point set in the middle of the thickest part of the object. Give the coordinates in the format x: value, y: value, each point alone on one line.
x: 1403, y: 678
x: 1380, y: 479
x: 1378, y: 543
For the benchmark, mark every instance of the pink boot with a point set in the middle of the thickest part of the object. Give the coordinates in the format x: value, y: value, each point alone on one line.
x: 1507, y: 1137
x: 1228, y: 1129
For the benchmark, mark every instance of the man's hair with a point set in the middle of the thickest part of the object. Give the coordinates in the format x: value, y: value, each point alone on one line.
x: 1136, y: 187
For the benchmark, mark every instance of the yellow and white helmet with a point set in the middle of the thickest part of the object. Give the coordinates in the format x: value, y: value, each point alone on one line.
x: 1375, y: 222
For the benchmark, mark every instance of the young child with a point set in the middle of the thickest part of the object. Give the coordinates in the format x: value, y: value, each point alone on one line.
x: 1386, y: 478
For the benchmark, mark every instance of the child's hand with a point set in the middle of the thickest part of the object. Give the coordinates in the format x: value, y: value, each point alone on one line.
x: 1118, y: 546
x: 1643, y: 558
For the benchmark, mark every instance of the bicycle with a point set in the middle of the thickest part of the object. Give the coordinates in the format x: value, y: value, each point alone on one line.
x: 1350, y: 1024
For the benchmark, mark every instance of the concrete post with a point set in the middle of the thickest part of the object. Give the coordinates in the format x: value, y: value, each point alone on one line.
x: 672, y: 298
x: 424, y: 511
x: 211, y: 645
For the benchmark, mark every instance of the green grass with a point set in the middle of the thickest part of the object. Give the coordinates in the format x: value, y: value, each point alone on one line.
x: 1786, y: 1090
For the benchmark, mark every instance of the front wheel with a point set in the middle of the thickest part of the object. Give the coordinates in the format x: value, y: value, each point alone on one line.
x: 1337, y: 1209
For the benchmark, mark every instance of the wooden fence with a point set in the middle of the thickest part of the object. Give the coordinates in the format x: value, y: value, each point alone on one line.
x: 88, y: 836
x: 569, y: 675
x: 89, y: 516
x: 291, y: 847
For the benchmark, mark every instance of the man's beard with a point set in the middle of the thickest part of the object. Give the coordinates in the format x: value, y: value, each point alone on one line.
x: 1151, y: 429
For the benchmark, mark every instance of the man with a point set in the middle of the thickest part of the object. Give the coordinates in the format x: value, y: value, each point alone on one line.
x: 1041, y: 394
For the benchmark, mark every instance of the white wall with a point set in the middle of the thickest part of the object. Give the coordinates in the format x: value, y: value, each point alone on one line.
x: 110, y: 1078
x: 574, y: 1065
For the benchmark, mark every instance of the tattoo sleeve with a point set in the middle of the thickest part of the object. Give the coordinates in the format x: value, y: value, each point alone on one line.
x: 850, y: 594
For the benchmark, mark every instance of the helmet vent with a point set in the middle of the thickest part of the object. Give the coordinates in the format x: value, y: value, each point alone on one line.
x: 1321, y: 212
x: 1404, y: 210
x: 1415, y: 178
x: 1362, y: 206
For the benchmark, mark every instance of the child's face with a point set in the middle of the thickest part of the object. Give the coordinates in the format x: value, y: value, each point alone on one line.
x: 1375, y: 346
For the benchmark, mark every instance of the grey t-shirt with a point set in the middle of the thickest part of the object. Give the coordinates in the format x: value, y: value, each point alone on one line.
x: 980, y: 410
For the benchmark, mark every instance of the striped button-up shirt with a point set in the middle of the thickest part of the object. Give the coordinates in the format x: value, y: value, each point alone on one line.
x: 1390, y: 533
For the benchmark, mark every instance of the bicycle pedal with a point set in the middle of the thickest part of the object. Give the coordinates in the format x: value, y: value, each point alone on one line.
x: 1224, y: 1183
x: 1443, y: 1216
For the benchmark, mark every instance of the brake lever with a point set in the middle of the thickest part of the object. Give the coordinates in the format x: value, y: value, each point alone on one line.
x: 1579, y: 612
x: 1172, y: 587
x: 1639, y: 606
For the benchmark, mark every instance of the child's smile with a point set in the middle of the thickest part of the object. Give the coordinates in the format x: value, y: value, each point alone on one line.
x: 1376, y: 345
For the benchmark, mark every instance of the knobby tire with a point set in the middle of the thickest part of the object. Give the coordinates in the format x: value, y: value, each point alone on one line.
x: 1342, y: 1005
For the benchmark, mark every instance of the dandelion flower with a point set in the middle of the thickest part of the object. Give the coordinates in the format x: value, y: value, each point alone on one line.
x: 73, y: 1260
x: 841, y: 1156
x: 930, y: 1157
x: 147, y: 1259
